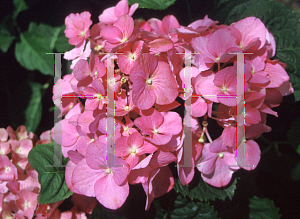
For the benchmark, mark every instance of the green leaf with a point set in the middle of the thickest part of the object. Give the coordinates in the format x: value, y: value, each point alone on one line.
x: 25, y: 106
x: 295, y: 173
x: 203, y: 191
x: 153, y: 4
x: 61, y: 44
x: 262, y: 208
x: 52, y: 179
x: 20, y: 5
x: 103, y: 213
x: 294, y: 132
x: 5, y: 40
x: 218, y: 3
x: 184, y: 208
x: 36, y: 42
x: 281, y: 21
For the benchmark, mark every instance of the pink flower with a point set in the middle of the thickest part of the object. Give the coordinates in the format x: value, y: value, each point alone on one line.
x: 109, y: 184
x: 127, y: 59
x: 26, y: 202
x: 160, y: 126
x: 214, y: 48
x: 78, y: 27
x: 131, y: 147
x: 153, y: 82
x: 251, y: 30
x: 214, y: 163
x: 110, y: 15
x: 119, y: 33
x: 8, y: 171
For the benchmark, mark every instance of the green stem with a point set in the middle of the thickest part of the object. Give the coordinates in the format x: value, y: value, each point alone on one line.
x: 189, y: 10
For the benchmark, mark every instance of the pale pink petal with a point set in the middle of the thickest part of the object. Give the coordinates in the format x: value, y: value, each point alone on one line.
x: 109, y: 194
x: 112, y: 34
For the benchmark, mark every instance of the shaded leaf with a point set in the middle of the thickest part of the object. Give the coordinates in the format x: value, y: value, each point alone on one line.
x: 5, y: 40
x: 52, y: 179
x: 103, y: 213
x: 262, y: 208
x: 184, y: 208
x: 153, y: 4
x: 25, y: 106
x: 20, y: 5
x: 36, y: 42
x: 203, y: 191
x: 294, y: 132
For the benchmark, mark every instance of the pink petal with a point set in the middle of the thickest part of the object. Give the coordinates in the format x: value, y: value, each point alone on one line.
x: 108, y: 16
x: 81, y: 70
x: 96, y: 156
x: 250, y: 155
x: 121, y: 8
x: 84, y: 178
x: 125, y: 24
x: 109, y: 194
x: 169, y: 22
x: 112, y: 34
x: 160, y: 45
x: 164, y: 84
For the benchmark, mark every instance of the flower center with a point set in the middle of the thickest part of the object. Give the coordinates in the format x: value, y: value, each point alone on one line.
x: 224, y: 89
x: 220, y: 154
x: 126, y: 128
x: 7, y: 169
x: 98, y: 48
x: 149, y: 81
x: 217, y: 59
x: 108, y: 171
x: 132, y: 56
x: 127, y: 108
x: 133, y: 150
x: 124, y: 40
x: 155, y: 131
x: 26, y: 205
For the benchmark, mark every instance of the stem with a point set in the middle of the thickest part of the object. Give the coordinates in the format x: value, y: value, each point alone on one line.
x: 208, y: 136
x: 189, y: 10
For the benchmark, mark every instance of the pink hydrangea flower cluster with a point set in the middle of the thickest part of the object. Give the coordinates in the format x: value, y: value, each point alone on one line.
x: 19, y: 186
x: 148, y: 77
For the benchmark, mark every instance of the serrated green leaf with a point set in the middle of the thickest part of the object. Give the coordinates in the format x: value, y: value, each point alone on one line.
x: 5, y: 40
x: 25, y: 106
x: 20, y: 5
x: 184, y: 208
x: 281, y: 21
x: 36, y: 42
x: 294, y: 132
x: 153, y: 4
x: 103, y: 213
x: 52, y: 179
x: 204, y: 191
x: 262, y: 208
